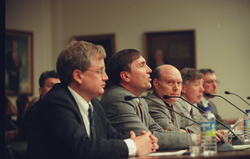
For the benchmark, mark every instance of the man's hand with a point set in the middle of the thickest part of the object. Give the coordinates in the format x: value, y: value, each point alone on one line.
x: 145, y: 143
x: 221, y: 133
x: 198, y: 136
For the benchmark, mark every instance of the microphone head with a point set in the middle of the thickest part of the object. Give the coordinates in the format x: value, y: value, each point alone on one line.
x: 128, y: 98
x: 226, y: 92
x: 248, y: 97
x: 166, y: 96
x: 208, y: 94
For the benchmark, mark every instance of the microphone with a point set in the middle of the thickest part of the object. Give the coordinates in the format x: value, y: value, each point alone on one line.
x: 130, y: 98
x: 235, y: 140
x: 210, y: 95
x: 226, y: 92
x: 248, y: 97
x: 224, y: 146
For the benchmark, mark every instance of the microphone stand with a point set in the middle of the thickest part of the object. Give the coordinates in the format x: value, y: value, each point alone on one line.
x: 235, y: 139
x: 226, y: 92
x: 209, y: 95
x: 224, y: 146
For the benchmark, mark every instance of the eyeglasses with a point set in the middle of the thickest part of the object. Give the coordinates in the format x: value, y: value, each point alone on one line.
x: 100, y: 71
x: 210, y: 82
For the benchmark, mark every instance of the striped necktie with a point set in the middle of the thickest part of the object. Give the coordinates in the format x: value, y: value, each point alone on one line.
x: 173, y: 116
x: 92, y: 124
x: 142, y: 112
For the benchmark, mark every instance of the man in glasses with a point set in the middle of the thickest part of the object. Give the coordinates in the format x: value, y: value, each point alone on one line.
x: 70, y: 121
x: 210, y: 86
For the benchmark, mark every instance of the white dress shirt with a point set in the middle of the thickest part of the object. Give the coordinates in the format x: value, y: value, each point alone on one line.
x: 83, y: 107
x: 204, y: 102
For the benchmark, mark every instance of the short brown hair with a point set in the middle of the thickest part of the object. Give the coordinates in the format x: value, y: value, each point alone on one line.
x: 77, y: 55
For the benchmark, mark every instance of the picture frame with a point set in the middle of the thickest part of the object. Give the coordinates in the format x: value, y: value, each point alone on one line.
x: 171, y: 47
x: 108, y: 41
x: 18, y: 69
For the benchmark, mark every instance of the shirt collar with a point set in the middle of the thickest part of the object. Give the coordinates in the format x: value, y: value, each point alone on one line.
x: 204, y: 101
x: 81, y: 103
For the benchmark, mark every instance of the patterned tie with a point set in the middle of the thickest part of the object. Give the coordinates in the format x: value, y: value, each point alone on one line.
x: 173, y: 116
x: 191, y: 113
x: 92, y: 124
x: 142, y: 112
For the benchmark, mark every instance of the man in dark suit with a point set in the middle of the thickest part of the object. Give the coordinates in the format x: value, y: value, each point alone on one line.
x: 13, y: 67
x: 46, y: 81
x: 70, y: 121
x: 210, y: 86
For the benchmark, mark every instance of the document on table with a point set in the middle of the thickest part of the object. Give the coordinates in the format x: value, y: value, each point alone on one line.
x: 241, y: 147
x: 180, y: 152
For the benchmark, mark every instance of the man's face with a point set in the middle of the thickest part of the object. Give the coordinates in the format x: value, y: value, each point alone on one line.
x: 193, y: 91
x: 210, y: 83
x: 94, y: 79
x: 170, y: 83
x: 48, y: 84
x: 140, y: 75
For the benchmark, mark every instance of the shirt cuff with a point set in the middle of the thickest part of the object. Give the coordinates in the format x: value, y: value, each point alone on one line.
x: 131, y: 147
x: 194, y: 138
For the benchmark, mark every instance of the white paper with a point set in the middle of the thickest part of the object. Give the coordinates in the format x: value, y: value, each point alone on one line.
x: 241, y: 147
x: 180, y: 152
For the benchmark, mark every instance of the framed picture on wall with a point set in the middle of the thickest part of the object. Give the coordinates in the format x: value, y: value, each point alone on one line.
x: 108, y: 41
x: 18, y: 62
x: 172, y: 47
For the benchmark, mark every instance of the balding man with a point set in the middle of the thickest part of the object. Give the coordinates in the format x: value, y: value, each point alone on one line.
x: 167, y: 80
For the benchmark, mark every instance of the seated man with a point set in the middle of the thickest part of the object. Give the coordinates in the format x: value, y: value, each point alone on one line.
x: 192, y: 90
x: 210, y: 86
x: 167, y: 81
x: 130, y: 76
x: 46, y: 81
x: 70, y: 121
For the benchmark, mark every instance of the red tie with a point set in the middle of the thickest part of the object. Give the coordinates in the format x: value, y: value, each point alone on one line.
x: 15, y: 59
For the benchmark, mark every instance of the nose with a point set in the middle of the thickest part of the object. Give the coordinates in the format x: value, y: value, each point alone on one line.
x: 202, y: 88
x: 214, y: 84
x: 148, y: 69
x: 105, y: 76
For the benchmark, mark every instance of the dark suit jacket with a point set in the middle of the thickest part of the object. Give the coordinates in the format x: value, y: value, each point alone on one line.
x: 217, y: 116
x: 27, y: 122
x: 59, y: 130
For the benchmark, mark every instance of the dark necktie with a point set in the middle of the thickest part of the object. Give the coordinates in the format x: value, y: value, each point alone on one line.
x: 173, y: 116
x: 16, y: 60
x: 92, y: 124
x: 208, y: 104
x: 142, y: 112
x: 191, y: 113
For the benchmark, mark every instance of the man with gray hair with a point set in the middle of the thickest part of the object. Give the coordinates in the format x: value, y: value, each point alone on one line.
x: 192, y: 90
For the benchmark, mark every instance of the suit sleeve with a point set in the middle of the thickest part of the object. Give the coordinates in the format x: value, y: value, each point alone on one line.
x: 161, y: 116
x: 218, y: 117
x: 62, y: 131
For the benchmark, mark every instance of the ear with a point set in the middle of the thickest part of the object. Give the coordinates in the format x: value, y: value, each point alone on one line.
x: 40, y: 90
x: 125, y: 76
x: 155, y: 83
x: 77, y: 76
x: 184, y: 88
